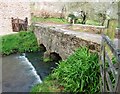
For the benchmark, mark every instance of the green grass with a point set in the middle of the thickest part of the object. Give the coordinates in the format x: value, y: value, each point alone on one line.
x: 61, y: 21
x: 91, y: 22
x: 20, y: 42
x: 79, y: 73
x: 49, y: 85
x: 49, y: 20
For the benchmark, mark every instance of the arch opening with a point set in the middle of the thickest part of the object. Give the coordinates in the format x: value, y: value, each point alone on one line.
x: 42, y: 47
x: 55, y: 56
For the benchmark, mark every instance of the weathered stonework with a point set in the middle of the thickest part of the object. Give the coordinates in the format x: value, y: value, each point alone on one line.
x: 65, y: 42
x: 88, y: 28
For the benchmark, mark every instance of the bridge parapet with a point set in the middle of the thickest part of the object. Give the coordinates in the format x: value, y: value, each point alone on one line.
x: 65, y: 42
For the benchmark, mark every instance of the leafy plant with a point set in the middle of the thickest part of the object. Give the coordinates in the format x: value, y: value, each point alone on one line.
x: 79, y: 73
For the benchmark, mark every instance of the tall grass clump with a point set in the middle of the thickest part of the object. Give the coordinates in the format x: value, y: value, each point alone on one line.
x: 20, y: 42
x: 78, y: 73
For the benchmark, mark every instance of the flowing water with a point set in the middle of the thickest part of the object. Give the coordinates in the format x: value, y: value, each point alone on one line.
x: 20, y: 72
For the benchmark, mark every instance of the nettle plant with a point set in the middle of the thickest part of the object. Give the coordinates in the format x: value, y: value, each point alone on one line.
x: 79, y: 73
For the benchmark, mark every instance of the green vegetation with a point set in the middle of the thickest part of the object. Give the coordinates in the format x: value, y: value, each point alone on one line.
x: 49, y: 20
x: 79, y: 73
x: 47, y: 59
x: 49, y: 85
x: 20, y: 42
x: 91, y: 22
x: 61, y: 21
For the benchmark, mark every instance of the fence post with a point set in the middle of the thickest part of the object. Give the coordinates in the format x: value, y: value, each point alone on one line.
x: 26, y: 24
x: 110, y: 67
x: 104, y: 71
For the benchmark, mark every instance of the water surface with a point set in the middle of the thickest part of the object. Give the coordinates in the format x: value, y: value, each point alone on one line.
x: 20, y: 72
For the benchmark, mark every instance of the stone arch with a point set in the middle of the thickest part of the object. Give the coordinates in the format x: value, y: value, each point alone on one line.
x: 55, y: 56
x: 42, y: 47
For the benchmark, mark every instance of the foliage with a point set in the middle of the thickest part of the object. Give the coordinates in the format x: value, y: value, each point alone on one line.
x: 79, y: 73
x: 20, y: 42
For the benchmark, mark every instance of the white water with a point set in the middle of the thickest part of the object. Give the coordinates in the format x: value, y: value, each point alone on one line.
x: 25, y: 62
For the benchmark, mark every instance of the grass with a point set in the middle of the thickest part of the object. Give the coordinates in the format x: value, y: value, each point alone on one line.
x: 20, y: 42
x: 49, y: 20
x: 91, y: 22
x: 60, y: 21
x: 79, y: 73
x: 49, y: 85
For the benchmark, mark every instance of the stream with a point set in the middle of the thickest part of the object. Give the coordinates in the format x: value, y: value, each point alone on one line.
x: 20, y: 72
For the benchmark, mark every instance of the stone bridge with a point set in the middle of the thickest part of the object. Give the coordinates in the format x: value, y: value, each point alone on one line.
x: 64, y: 42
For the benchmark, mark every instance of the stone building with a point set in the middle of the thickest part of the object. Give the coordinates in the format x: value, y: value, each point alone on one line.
x: 12, y: 9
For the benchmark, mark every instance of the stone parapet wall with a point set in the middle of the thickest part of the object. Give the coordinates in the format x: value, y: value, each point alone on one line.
x: 65, y: 42
x: 88, y: 28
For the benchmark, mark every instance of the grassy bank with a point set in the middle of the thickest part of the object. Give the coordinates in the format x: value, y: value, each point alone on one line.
x: 79, y: 73
x: 92, y: 22
x: 20, y: 42
x: 49, y: 20
x: 60, y: 21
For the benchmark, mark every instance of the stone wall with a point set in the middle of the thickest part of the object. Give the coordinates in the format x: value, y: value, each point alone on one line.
x: 52, y: 9
x: 87, y: 28
x: 65, y: 42
x: 12, y: 9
